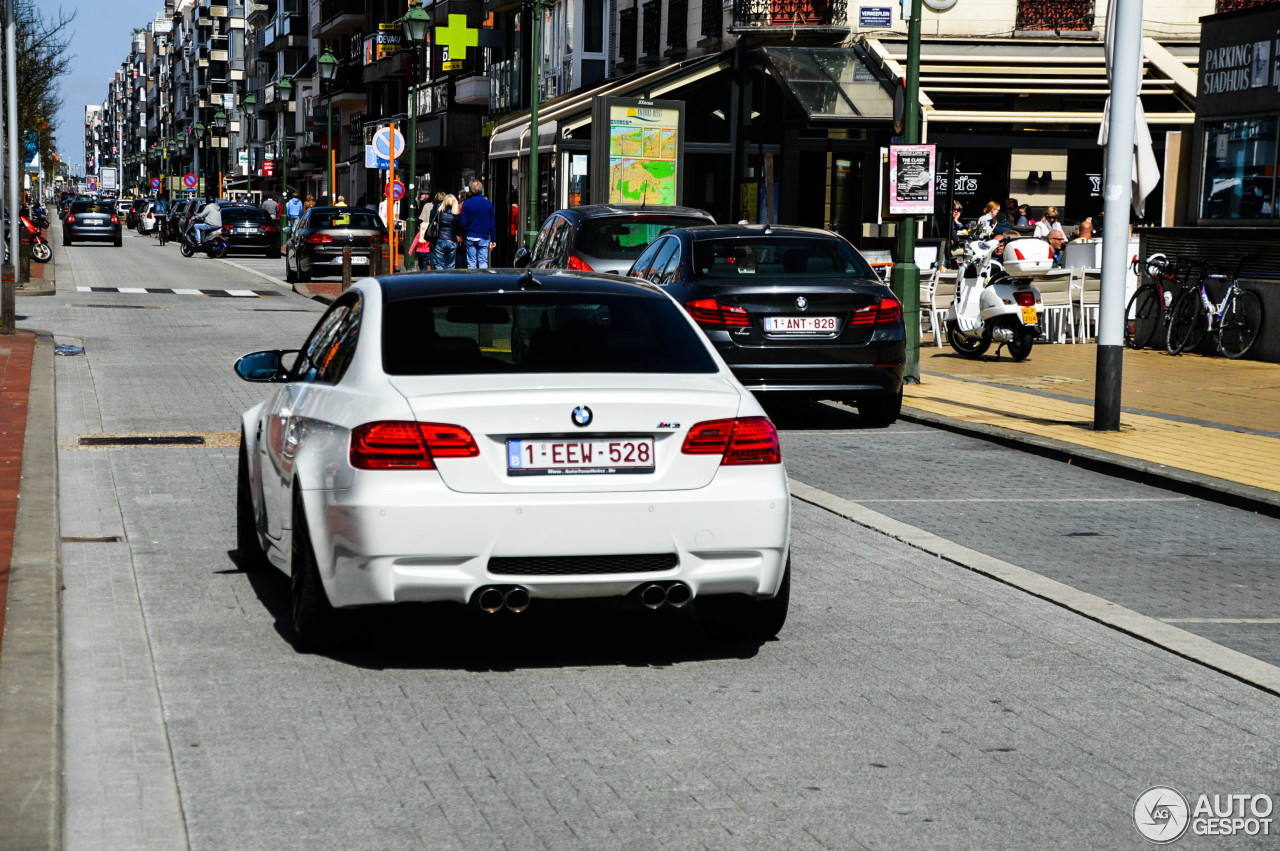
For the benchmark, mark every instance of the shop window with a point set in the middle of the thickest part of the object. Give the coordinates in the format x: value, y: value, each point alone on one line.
x: 1239, y: 169
x: 1058, y: 15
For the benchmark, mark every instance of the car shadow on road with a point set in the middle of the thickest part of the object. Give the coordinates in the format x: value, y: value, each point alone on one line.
x: 813, y: 416
x: 551, y: 634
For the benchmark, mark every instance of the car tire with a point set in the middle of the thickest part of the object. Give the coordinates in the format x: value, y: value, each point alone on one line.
x: 881, y: 411
x: 315, y: 621
x: 66, y: 241
x: 737, y: 616
x: 272, y: 254
x: 119, y: 243
x: 289, y: 276
x: 250, y: 555
x: 303, y: 277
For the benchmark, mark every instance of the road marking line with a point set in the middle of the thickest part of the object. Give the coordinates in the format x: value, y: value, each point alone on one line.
x: 242, y: 293
x: 142, y: 290
x: 1221, y: 620
x: 187, y: 292
x: 1049, y: 499
x: 1151, y: 630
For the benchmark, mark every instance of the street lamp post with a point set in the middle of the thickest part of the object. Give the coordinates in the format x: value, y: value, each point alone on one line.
x: 220, y: 123
x: 328, y: 72
x: 535, y: 91
x: 414, y: 24
x: 197, y: 130
x: 285, y: 91
x: 250, y: 108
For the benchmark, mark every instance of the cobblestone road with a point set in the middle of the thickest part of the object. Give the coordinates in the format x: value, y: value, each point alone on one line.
x: 908, y: 702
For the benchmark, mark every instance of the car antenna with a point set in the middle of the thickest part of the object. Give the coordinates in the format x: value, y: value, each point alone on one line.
x: 529, y: 282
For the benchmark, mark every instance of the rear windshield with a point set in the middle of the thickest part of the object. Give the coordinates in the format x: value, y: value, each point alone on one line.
x: 92, y: 207
x: 625, y: 238
x: 530, y: 332
x: 363, y: 219
x: 244, y: 214
x: 778, y: 257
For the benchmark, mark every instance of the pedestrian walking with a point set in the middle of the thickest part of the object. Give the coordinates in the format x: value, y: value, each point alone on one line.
x: 420, y: 249
x: 448, y: 234
x: 341, y: 202
x: 310, y: 202
x: 271, y: 207
x: 476, y: 220
x: 293, y: 210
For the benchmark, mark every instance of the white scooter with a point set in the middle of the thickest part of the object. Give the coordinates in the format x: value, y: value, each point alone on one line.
x: 995, y: 301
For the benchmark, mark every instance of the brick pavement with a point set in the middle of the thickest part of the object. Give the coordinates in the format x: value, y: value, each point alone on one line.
x: 15, y: 378
x: 1209, y: 418
x: 908, y: 703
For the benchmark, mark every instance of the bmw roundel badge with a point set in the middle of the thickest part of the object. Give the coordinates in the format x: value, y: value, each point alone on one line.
x: 582, y: 416
x: 802, y: 302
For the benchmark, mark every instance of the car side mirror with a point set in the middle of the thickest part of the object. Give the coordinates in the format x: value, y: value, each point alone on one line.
x: 523, y: 255
x: 265, y: 367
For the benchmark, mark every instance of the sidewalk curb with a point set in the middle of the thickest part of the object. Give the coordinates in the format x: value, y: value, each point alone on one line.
x: 31, y: 665
x: 305, y: 291
x: 1133, y: 469
x: 1180, y: 642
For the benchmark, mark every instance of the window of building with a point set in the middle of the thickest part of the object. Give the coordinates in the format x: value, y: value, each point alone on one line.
x: 593, y: 26
x: 1059, y: 15
x: 1239, y: 169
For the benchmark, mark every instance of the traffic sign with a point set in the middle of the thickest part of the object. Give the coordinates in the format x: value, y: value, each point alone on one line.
x: 156, y: 183
x: 189, y: 180
x: 269, y: 168
x: 91, y: 183
x: 382, y: 144
x: 396, y: 189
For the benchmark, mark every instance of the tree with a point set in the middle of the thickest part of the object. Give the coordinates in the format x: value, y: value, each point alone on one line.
x: 43, y: 58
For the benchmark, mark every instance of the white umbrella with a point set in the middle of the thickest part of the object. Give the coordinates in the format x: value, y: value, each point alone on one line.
x: 1146, y: 171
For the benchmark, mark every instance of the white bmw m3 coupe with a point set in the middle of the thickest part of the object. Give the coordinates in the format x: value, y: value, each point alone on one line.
x: 494, y: 438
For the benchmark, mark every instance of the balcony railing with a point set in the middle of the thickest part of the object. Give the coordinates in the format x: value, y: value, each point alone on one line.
x: 789, y: 13
x: 627, y: 35
x: 1057, y: 15
x: 332, y: 11
x: 678, y: 26
x: 651, y: 37
x: 712, y: 19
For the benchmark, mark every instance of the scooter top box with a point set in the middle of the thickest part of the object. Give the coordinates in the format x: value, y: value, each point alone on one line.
x: 1027, y: 257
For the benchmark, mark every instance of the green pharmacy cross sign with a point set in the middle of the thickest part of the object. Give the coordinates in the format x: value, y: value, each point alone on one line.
x: 457, y: 36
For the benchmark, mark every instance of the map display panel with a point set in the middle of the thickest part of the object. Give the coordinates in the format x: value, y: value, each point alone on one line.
x: 643, y: 155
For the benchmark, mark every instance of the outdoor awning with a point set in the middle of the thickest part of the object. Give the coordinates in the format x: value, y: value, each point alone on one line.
x: 1034, y: 83
x: 831, y: 83
x: 568, y: 112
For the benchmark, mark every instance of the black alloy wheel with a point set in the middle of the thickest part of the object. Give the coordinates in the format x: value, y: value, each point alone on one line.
x: 1143, y: 317
x: 315, y: 621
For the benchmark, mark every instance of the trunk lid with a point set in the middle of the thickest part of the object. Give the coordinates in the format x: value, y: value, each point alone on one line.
x: 657, y: 408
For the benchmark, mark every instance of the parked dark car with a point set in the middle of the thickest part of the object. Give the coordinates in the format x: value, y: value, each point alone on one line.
x: 91, y: 220
x: 250, y: 228
x: 795, y: 312
x: 128, y: 211
x: 191, y: 206
x: 603, y: 237
x: 315, y: 247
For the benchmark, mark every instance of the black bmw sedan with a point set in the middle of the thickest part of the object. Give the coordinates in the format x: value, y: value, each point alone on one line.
x: 795, y: 312
x: 250, y: 229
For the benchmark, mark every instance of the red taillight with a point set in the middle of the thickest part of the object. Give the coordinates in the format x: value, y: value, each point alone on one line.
x: 1025, y: 299
x: 575, y: 262
x: 746, y: 440
x: 713, y: 314
x: 888, y: 311
x: 377, y: 239
x: 115, y: 220
x: 394, y: 445
x: 270, y: 228
x: 71, y: 220
x: 319, y: 238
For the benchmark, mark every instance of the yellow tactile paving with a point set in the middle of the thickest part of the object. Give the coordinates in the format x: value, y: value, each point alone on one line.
x: 1247, y: 459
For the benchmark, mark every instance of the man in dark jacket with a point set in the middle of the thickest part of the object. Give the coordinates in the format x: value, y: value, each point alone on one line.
x: 477, y: 227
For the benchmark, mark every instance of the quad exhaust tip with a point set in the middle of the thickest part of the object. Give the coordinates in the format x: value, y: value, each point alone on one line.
x: 494, y: 599
x: 674, y: 594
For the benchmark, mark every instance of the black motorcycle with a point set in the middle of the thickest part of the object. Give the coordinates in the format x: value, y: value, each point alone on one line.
x: 215, y: 244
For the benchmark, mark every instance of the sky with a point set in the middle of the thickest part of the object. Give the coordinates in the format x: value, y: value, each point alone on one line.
x: 103, y: 30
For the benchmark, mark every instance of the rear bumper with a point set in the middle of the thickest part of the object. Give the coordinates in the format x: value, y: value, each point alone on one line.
x: 838, y: 379
x: 382, y: 541
x: 78, y: 232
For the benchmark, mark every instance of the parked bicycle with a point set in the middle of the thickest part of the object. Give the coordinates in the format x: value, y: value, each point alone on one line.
x: 1148, y: 312
x: 1236, y: 322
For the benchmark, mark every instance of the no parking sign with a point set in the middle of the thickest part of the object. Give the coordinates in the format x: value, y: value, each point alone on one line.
x: 189, y: 180
x: 396, y: 190
x: 156, y: 183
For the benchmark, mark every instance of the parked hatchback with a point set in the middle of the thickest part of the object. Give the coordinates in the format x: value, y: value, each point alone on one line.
x: 316, y: 245
x: 603, y: 237
x: 251, y: 229
x: 795, y: 312
x: 92, y: 220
